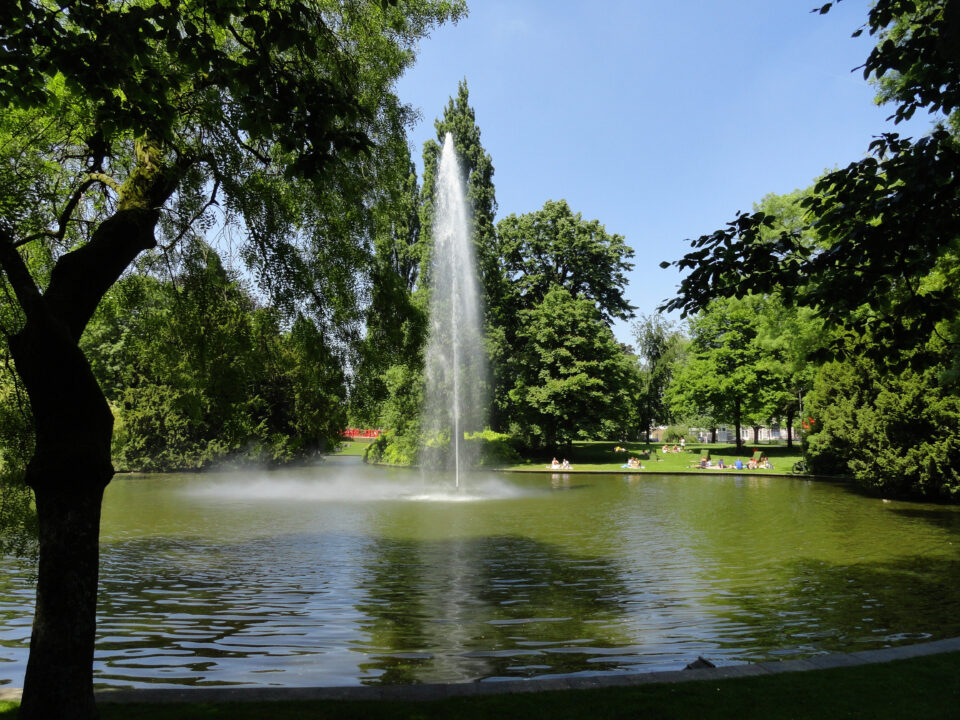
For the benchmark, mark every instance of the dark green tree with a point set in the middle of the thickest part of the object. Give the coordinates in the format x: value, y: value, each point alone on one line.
x: 891, y: 429
x: 723, y: 377
x: 569, y: 370
x: 459, y: 119
x: 395, y: 320
x: 556, y: 247
x: 551, y: 248
x: 122, y: 124
x: 195, y: 373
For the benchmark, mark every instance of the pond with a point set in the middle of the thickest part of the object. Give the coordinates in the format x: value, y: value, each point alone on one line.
x: 346, y: 575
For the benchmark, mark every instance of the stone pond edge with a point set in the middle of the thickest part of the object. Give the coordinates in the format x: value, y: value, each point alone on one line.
x: 437, y: 691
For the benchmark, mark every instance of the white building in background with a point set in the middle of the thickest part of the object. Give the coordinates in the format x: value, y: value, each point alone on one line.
x: 726, y: 434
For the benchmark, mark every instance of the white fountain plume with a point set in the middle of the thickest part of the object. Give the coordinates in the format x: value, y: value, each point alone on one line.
x: 456, y: 366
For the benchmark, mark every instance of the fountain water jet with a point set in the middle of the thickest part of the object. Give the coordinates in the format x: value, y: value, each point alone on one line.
x: 455, y: 357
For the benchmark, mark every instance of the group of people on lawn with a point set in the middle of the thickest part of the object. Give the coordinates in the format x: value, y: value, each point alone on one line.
x: 762, y: 464
x: 676, y: 448
x: 633, y: 463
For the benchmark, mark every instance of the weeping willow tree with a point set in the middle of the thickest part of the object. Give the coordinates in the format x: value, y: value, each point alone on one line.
x: 123, y: 124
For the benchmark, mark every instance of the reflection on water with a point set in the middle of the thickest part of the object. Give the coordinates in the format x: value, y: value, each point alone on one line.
x: 486, y: 607
x: 349, y: 575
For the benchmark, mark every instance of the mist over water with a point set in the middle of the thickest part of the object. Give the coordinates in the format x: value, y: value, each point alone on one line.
x: 352, y: 487
x: 456, y: 368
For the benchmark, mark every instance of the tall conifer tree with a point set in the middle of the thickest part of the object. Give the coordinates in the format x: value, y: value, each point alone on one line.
x: 477, y: 166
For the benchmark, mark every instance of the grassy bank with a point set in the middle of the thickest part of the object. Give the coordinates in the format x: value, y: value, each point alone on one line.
x: 603, y: 456
x: 927, y: 687
x: 353, y: 446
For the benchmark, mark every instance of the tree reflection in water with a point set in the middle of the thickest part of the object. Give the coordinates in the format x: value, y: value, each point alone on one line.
x: 470, y: 608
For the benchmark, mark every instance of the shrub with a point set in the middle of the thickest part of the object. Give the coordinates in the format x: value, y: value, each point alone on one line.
x: 673, y: 433
x: 493, y: 448
x: 894, y: 432
x: 485, y: 449
x: 392, y: 449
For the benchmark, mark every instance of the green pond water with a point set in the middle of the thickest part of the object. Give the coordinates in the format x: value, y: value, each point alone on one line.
x: 344, y: 575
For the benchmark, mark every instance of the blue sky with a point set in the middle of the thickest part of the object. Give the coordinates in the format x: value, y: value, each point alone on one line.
x: 660, y: 119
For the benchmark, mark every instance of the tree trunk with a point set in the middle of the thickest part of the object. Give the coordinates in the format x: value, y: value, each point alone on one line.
x: 789, y: 429
x: 756, y: 434
x: 713, y: 435
x: 736, y: 417
x: 71, y: 463
x: 59, y: 677
x: 68, y: 472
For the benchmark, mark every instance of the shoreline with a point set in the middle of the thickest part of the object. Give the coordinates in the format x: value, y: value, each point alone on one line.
x: 437, y: 691
x: 651, y: 471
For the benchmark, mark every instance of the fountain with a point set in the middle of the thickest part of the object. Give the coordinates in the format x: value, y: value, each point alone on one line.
x: 455, y: 356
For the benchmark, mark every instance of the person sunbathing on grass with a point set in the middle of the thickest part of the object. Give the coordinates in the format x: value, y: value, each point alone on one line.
x: 555, y: 465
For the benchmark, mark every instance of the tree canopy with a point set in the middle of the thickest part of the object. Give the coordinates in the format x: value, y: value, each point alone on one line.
x: 723, y: 377
x: 868, y: 270
x: 459, y: 119
x: 554, y: 246
x: 660, y: 349
x: 568, y: 370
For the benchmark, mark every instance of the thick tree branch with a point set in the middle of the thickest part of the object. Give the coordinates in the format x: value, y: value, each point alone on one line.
x: 81, y: 278
x: 26, y: 290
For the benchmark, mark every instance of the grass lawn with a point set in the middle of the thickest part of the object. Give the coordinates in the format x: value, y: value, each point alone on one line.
x: 601, y: 456
x: 927, y: 687
x: 353, y: 446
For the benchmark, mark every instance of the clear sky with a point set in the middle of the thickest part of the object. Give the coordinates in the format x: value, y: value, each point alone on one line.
x: 660, y: 119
